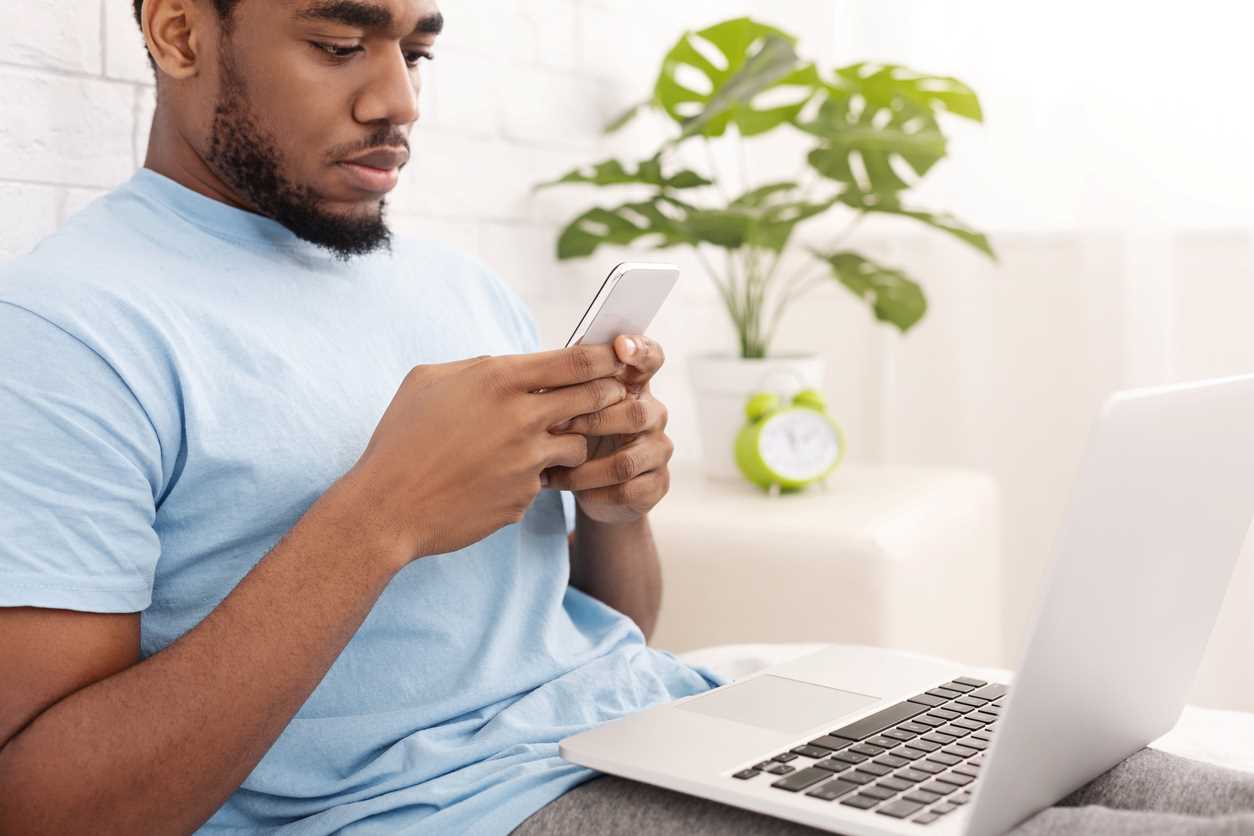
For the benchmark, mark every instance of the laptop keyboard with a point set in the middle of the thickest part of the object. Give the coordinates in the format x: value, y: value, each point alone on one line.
x: 915, y: 760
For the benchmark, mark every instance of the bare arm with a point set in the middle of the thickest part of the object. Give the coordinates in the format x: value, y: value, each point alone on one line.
x: 618, y: 564
x: 612, y: 554
x: 161, y: 744
x: 95, y: 742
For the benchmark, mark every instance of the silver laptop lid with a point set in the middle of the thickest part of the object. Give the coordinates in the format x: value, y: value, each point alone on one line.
x: 1161, y: 506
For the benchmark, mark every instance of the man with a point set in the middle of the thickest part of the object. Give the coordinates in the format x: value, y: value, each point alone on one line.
x: 281, y: 539
x: 281, y: 543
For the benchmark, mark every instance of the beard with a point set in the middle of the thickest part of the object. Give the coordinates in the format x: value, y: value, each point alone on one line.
x: 247, y: 157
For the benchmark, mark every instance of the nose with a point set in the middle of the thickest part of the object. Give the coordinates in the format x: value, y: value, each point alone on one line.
x: 391, y: 95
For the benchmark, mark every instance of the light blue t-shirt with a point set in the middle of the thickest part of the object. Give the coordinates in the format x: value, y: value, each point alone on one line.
x: 179, y: 381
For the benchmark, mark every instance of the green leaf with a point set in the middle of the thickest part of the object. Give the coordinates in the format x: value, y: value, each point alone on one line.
x: 893, y: 296
x: 754, y: 220
x: 620, y: 121
x: 879, y: 127
x: 613, y: 173
x: 755, y: 198
x: 944, y: 221
x: 624, y: 225
x: 754, y: 58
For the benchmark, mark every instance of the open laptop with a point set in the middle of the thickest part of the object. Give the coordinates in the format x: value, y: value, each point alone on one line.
x: 856, y: 741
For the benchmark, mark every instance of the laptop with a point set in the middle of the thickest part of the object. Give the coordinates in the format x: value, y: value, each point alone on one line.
x: 857, y: 741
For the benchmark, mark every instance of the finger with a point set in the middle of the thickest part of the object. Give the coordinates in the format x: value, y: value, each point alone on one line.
x: 640, y: 456
x: 630, y: 416
x: 566, y: 451
x: 642, y: 357
x: 563, y: 367
x: 564, y: 403
x: 640, y: 494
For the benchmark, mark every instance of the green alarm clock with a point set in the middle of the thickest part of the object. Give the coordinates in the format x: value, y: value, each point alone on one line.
x: 788, y: 446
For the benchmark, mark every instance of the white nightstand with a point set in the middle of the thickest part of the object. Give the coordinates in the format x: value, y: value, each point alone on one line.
x: 887, y: 556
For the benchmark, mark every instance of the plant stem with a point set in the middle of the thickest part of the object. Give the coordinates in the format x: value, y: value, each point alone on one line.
x: 714, y: 175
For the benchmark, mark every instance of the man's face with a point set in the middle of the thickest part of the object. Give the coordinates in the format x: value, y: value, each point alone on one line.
x: 315, y: 102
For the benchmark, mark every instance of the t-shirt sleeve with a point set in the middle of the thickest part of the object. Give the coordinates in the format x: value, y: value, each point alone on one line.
x: 80, y: 470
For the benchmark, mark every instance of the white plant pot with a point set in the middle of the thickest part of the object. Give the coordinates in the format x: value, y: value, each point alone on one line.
x: 723, y: 384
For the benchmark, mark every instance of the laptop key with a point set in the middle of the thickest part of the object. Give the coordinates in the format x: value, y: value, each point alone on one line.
x: 868, y: 750
x: 961, y: 751
x: 967, y: 680
x: 858, y: 776
x: 746, y: 774
x: 763, y: 765
x: 990, y: 692
x: 850, y: 758
x: 900, y: 808
x: 785, y: 757
x: 834, y: 744
x: 878, y: 792
x: 882, y: 741
x: 955, y: 731
x: 982, y: 717
x: 925, y: 818
x: 914, y: 776
x: 895, y: 784
x: 924, y: 745
x: 944, y: 714
x: 964, y: 723
x: 891, y: 761
x: 862, y: 802
x: 875, y: 769
x: 880, y: 720
x: 909, y: 752
x: 929, y: 767
x: 975, y: 743
x: 941, y: 757
x: 945, y: 693
x: 921, y: 797
x: 955, y: 779
x: 801, y: 779
x: 930, y: 722
x: 899, y: 734
x: 967, y: 769
x: 812, y: 751
x: 940, y: 738
x: 943, y: 808
x: 928, y: 700
x: 832, y: 790
x: 832, y: 765
x: 938, y: 787
x: 780, y: 769
x: 957, y: 685
x: 913, y: 728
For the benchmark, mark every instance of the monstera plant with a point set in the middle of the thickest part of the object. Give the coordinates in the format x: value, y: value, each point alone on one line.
x: 873, y: 130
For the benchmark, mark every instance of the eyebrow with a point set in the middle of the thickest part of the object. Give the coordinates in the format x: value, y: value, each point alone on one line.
x: 366, y: 15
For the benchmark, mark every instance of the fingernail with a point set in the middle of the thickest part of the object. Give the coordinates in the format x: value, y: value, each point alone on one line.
x: 631, y: 345
x: 544, y: 480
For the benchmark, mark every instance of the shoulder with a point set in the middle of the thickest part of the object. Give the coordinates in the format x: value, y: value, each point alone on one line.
x: 472, y: 280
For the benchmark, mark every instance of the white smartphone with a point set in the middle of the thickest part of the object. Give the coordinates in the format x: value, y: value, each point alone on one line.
x: 629, y: 298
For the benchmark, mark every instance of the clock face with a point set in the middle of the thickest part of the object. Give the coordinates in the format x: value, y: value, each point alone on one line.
x: 799, y: 444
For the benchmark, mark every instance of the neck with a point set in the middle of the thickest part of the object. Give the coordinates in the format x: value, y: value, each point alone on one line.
x: 171, y: 155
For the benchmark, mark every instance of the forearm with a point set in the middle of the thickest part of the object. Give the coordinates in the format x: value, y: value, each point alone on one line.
x: 618, y: 564
x: 158, y: 747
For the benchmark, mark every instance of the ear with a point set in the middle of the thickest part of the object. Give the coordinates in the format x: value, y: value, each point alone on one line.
x: 178, y: 33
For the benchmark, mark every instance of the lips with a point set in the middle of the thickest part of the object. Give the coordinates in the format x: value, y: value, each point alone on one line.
x: 377, y: 170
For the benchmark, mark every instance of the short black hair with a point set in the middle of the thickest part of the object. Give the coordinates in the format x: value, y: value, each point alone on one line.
x: 223, y: 7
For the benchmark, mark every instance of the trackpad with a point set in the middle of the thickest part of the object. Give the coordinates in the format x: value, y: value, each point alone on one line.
x: 773, y: 702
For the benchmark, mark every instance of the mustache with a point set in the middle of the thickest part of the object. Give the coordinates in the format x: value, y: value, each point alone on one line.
x: 388, y: 136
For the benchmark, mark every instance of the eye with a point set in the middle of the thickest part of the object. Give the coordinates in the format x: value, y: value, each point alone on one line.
x: 413, y: 56
x: 336, y: 50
